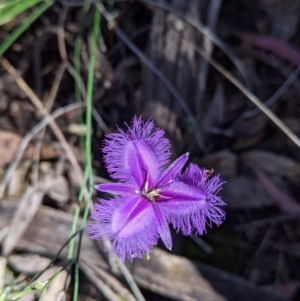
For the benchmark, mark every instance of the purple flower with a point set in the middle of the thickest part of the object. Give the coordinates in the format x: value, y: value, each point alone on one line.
x: 149, y: 196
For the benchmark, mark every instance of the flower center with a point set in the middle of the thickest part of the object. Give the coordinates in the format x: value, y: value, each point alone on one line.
x: 151, y: 195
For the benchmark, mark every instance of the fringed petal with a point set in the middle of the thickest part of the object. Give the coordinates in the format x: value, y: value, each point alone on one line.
x: 196, y: 204
x: 128, y: 222
x: 130, y: 155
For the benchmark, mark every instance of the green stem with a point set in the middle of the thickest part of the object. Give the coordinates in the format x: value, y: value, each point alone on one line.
x: 77, y: 48
x: 88, y: 140
x: 76, y: 215
x: 90, y: 84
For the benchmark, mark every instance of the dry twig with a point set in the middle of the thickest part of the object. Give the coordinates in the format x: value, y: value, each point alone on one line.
x: 289, y: 81
x: 27, y: 138
x: 106, y: 283
x: 55, y: 128
x: 49, y: 104
x: 259, y: 104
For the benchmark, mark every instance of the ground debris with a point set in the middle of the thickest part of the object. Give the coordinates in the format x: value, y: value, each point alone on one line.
x: 28, y: 263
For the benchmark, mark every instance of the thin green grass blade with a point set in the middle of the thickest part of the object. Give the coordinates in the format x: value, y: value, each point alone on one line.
x: 6, y: 3
x: 21, y: 28
x: 89, y: 100
x: 14, y: 8
x: 90, y: 84
x: 76, y: 215
x: 88, y: 140
x: 77, y: 50
x: 43, y: 294
x: 76, y: 282
x: 88, y: 174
